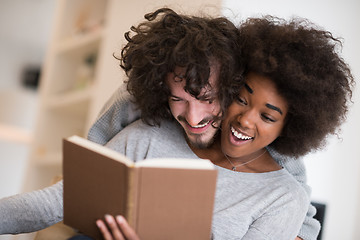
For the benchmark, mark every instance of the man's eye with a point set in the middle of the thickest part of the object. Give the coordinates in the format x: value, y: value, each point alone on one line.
x: 175, y: 99
x: 178, y: 78
x: 210, y: 100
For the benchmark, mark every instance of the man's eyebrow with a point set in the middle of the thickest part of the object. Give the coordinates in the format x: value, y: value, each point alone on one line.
x: 274, y: 108
x: 248, y: 88
x: 174, y: 96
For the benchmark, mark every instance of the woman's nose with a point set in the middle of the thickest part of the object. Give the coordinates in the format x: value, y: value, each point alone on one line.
x: 247, y: 119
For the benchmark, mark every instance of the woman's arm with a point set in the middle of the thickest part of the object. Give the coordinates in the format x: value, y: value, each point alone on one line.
x: 282, y: 219
x: 296, y: 167
x: 29, y: 212
x: 118, y: 112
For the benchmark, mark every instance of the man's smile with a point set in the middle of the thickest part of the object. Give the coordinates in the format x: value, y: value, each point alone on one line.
x: 200, y: 127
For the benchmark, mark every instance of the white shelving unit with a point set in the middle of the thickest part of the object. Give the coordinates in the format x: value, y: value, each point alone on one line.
x: 68, y: 83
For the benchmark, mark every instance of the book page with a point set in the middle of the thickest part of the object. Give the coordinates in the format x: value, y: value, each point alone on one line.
x: 101, y: 149
x: 182, y: 163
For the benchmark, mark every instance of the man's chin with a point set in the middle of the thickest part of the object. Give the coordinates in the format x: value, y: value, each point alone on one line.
x: 200, y: 143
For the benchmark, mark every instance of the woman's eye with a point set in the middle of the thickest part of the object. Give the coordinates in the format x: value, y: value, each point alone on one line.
x: 241, y: 100
x: 268, y: 119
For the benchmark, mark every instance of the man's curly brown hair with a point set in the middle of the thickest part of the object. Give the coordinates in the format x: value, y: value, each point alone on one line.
x: 167, y: 40
x: 304, y: 63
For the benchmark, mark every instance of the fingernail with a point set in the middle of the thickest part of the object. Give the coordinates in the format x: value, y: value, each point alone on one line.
x: 98, y: 223
x: 120, y: 219
x: 108, y: 218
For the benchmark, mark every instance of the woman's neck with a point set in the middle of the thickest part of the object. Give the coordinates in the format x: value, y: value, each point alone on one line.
x: 261, y: 162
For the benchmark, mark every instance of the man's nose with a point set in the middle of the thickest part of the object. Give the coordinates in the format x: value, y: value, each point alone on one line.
x: 195, y: 112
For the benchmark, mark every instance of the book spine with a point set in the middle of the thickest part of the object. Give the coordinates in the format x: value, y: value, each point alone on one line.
x: 133, y: 196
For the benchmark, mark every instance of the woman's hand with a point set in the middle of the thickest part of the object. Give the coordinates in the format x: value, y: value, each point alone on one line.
x: 116, y: 228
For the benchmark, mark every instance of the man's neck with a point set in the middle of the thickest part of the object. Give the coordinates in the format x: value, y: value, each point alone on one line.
x: 213, y: 152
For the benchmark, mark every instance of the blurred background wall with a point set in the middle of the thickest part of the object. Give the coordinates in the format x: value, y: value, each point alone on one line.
x: 333, y: 173
x: 25, y: 28
x: 24, y: 32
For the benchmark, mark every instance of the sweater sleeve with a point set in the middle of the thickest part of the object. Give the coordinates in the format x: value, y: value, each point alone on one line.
x: 296, y: 167
x: 118, y: 112
x: 33, y: 211
x: 279, y: 221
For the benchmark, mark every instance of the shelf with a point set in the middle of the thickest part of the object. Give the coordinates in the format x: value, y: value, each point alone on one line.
x: 81, y: 16
x: 79, y: 41
x: 75, y: 101
x: 15, y: 134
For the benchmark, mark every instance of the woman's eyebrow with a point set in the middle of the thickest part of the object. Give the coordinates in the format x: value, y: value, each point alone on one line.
x: 274, y: 108
x: 248, y: 88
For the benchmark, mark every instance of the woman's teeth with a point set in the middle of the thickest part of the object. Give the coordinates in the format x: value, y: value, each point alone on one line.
x: 239, y: 135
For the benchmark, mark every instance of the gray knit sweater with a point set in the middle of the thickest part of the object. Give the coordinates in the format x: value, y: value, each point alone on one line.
x: 37, y: 210
x: 248, y: 206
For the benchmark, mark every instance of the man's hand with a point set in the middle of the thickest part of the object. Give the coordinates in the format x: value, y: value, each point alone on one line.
x: 116, y: 228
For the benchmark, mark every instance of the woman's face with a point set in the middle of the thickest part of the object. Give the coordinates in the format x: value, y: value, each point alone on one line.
x: 254, y: 120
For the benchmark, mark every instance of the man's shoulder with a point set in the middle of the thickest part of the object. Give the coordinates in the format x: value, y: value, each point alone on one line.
x: 141, y: 127
x: 139, y: 141
x: 139, y: 132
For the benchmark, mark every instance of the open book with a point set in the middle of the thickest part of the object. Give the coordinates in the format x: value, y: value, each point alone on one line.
x: 161, y: 198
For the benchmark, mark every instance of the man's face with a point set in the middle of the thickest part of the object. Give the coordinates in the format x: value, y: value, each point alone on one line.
x: 195, y: 116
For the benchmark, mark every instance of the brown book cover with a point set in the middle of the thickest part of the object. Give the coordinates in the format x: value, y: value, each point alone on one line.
x: 161, y: 198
